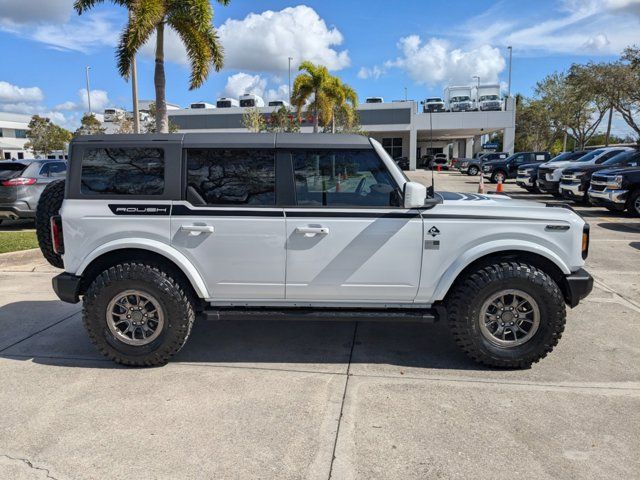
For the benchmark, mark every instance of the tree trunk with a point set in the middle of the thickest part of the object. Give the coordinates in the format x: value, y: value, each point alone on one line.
x: 606, y: 138
x: 162, y: 121
x: 315, y: 111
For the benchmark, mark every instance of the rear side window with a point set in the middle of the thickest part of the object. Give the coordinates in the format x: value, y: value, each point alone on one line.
x: 349, y: 178
x: 53, y: 170
x: 231, y: 176
x: 11, y: 170
x: 123, y: 171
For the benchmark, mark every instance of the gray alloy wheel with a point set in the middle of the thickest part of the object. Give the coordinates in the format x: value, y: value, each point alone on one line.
x: 509, y: 318
x: 473, y: 171
x: 135, y: 317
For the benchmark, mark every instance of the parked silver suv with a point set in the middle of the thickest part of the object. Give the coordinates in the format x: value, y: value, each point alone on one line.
x: 22, y: 183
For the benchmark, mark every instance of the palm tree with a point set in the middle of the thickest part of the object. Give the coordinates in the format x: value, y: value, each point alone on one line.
x: 313, y: 87
x: 191, y: 19
x: 344, y: 100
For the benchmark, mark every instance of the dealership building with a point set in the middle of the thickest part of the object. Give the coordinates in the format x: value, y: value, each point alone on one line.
x: 402, y: 128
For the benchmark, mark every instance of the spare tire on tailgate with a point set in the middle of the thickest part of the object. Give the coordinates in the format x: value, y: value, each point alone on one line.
x: 49, y: 205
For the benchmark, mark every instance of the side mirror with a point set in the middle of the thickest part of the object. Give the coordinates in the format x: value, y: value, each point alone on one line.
x: 415, y: 195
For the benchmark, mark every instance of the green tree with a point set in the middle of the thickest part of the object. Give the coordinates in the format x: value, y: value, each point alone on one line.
x: 535, y: 129
x: 628, y: 83
x: 253, y: 120
x: 283, y: 120
x: 90, y: 125
x: 149, y: 126
x: 190, y: 19
x: 343, y: 115
x: 45, y: 136
x: 313, y: 88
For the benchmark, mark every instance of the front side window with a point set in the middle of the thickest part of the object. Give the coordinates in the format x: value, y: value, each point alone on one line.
x: 343, y: 178
x: 231, y: 176
x: 123, y: 171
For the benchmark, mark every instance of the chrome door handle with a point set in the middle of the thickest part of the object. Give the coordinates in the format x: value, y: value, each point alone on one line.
x: 313, y: 230
x: 197, y: 229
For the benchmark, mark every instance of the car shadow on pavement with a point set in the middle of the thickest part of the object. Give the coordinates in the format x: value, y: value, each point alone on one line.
x: 283, y: 344
x: 622, y: 227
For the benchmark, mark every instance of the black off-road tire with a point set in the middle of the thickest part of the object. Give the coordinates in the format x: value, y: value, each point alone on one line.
x: 49, y: 205
x: 469, y: 293
x: 174, y: 298
x: 634, y: 201
x: 473, y: 171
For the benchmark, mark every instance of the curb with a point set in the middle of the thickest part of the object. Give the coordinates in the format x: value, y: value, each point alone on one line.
x: 21, y: 257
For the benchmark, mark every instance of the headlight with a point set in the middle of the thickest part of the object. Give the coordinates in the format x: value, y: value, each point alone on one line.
x: 486, y: 168
x: 614, y: 182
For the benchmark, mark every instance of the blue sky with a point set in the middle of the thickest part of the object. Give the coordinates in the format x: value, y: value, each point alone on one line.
x: 378, y: 47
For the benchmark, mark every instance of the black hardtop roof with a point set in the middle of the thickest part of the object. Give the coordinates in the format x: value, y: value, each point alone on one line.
x: 237, y: 140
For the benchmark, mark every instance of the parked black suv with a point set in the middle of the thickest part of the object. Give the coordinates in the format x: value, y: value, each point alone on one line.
x: 473, y: 166
x: 575, y: 181
x: 501, y: 170
x: 528, y: 173
x: 616, y: 189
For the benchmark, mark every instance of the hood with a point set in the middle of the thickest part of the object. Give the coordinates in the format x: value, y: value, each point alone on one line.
x: 475, y: 204
x: 619, y: 170
x: 530, y: 165
x: 583, y: 168
x: 555, y: 165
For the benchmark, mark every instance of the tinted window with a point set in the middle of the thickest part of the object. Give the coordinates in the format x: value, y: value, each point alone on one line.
x: 607, y: 156
x: 11, y: 170
x: 53, y: 169
x: 343, y: 178
x: 232, y: 177
x: 123, y: 171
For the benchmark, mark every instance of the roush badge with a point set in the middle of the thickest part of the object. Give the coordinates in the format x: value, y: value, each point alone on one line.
x: 433, y: 231
x: 128, y: 209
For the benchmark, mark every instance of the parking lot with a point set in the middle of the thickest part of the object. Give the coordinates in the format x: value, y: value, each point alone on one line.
x: 307, y: 400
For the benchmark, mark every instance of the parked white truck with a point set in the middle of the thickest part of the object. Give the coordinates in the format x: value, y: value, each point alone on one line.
x: 154, y: 231
x: 488, y: 98
x: 459, y: 99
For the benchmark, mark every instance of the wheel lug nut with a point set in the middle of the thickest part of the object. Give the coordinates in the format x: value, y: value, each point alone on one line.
x: 128, y: 316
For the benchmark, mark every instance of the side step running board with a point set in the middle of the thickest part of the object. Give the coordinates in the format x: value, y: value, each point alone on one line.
x: 319, y: 314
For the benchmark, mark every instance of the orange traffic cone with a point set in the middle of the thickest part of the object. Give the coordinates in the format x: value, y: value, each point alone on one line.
x: 481, y: 184
x: 499, y: 189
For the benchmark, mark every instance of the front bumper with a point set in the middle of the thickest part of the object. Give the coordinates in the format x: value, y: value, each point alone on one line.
x: 578, y: 285
x: 547, y: 186
x: 67, y: 287
x: 16, y: 210
x: 616, y: 197
x: 572, y: 190
x: 526, y: 182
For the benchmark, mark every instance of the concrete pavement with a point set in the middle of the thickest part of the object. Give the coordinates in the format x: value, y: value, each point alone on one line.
x: 286, y: 400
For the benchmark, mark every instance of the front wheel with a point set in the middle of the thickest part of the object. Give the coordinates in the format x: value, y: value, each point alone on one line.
x: 137, y: 314
x: 498, y: 177
x: 473, y: 171
x: 634, y: 204
x: 508, y: 314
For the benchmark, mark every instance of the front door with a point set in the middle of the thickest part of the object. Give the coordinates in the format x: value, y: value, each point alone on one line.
x: 229, y: 226
x: 348, y: 238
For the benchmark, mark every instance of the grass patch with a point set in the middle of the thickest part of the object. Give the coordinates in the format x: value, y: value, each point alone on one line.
x: 14, y: 241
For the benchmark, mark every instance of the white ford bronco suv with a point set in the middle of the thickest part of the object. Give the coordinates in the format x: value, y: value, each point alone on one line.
x: 154, y: 231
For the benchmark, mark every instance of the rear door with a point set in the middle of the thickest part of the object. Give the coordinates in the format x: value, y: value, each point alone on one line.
x: 228, y: 224
x: 348, y: 239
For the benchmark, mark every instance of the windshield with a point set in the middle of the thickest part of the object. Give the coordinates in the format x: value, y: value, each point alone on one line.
x: 488, y: 97
x: 460, y: 99
x: 621, y: 157
x: 432, y: 100
x: 590, y: 156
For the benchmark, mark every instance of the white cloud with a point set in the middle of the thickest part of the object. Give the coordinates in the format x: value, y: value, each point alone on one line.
x: 574, y: 27
x: 68, y: 105
x: 99, y: 99
x: 263, y: 42
x: 82, y: 35
x: 13, y: 93
x: 437, y: 62
x: 14, y: 12
x: 241, y: 83
x: 374, y: 72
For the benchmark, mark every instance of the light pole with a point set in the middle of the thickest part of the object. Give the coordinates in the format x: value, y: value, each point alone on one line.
x: 477, y: 78
x: 290, y: 58
x: 88, y: 90
x: 509, y: 83
x: 134, y: 95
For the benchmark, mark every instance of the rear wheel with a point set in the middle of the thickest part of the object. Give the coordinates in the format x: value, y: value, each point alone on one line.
x: 137, y: 314
x: 49, y: 205
x: 473, y: 170
x: 508, y: 314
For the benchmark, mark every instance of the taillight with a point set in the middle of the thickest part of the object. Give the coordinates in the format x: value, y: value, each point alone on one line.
x: 585, y: 241
x: 56, y: 235
x: 17, y: 182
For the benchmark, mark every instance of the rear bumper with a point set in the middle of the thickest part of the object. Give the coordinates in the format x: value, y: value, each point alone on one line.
x: 67, y: 287
x: 579, y: 285
x: 16, y: 210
